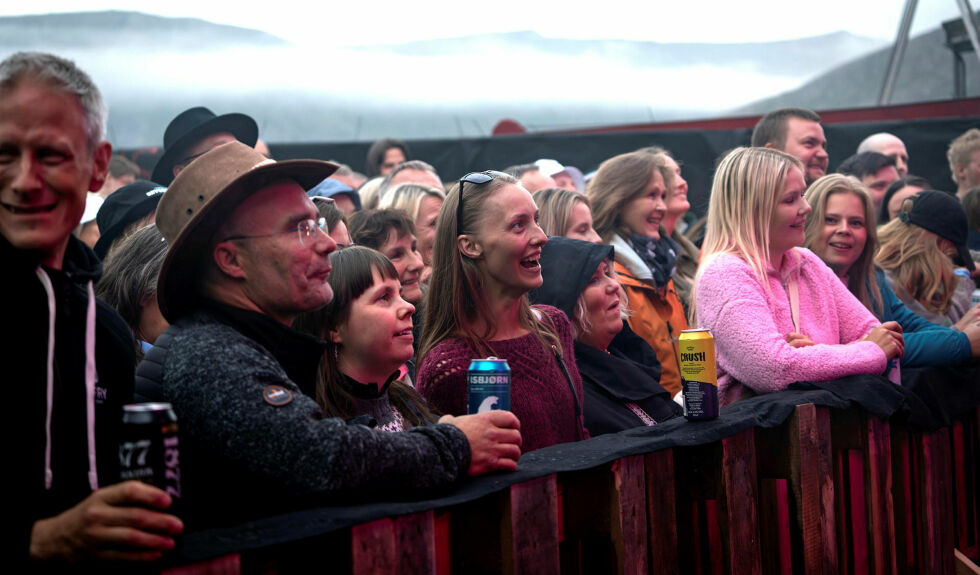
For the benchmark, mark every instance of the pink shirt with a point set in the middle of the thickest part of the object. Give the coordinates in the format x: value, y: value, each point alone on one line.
x: 750, y: 325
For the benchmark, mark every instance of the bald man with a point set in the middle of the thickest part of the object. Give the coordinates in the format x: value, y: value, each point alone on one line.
x: 889, y: 145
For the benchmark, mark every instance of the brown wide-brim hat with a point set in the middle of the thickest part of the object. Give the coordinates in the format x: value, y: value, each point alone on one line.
x: 201, y: 198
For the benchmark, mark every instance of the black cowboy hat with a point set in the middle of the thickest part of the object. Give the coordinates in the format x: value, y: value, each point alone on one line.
x: 194, y: 124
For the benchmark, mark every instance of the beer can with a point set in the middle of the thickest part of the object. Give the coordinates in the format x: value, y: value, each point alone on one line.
x: 488, y: 385
x: 148, y: 449
x: 699, y: 379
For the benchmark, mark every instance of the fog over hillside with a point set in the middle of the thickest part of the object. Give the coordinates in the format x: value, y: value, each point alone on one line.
x: 150, y: 68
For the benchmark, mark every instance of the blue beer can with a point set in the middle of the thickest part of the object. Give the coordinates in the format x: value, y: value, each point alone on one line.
x: 488, y: 385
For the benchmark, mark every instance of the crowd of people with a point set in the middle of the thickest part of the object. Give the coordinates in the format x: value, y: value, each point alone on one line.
x: 312, y: 327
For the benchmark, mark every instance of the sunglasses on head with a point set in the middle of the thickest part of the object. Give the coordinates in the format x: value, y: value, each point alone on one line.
x: 477, y: 178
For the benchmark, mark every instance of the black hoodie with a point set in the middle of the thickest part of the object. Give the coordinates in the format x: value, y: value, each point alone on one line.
x: 40, y: 486
x: 619, y: 385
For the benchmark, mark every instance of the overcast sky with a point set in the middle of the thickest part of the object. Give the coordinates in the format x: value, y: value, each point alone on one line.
x: 361, y: 22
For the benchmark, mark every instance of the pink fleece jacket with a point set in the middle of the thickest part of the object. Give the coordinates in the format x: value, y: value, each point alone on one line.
x: 750, y: 325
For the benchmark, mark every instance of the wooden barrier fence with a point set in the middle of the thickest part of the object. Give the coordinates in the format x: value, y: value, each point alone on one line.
x: 828, y: 491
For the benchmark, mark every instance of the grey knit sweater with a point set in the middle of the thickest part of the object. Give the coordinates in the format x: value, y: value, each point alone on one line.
x: 242, y: 456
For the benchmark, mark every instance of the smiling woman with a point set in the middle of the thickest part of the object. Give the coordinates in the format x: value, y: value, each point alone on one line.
x: 768, y: 302
x: 484, y: 264
x: 629, y: 196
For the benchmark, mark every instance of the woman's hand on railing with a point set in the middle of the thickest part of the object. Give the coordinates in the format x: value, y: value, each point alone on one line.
x: 888, y: 336
x: 495, y: 440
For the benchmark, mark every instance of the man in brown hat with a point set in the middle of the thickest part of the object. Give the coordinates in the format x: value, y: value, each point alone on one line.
x: 248, y: 253
x: 72, y: 355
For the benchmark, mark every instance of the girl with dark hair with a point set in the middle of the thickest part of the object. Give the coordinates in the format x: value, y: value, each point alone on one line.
x: 485, y: 261
x: 367, y: 327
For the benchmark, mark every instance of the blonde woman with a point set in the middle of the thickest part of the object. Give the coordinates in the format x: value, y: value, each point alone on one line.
x: 422, y: 204
x: 628, y: 196
x: 566, y: 213
x: 915, y: 253
x: 778, y: 313
x: 840, y: 230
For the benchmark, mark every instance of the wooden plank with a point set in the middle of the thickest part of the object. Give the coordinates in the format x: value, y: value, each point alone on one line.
x: 443, y: 528
x: 812, y: 480
x: 662, y: 512
x: 937, y: 513
x: 226, y: 565
x: 716, y: 549
x: 374, y: 547
x: 741, y: 503
x: 960, y: 497
x: 530, y: 538
x: 857, y: 503
x: 629, y: 524
x: 964, y: 566
x: 400, y: 545
x: 881, y: 510
x: 774, y: 526
x: 905, y: 501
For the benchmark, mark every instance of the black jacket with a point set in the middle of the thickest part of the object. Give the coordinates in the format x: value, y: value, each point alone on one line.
x: 619, y: 383
x: 24, y: 349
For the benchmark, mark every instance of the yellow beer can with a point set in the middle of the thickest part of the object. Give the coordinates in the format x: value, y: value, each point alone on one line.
x: 699, y: 378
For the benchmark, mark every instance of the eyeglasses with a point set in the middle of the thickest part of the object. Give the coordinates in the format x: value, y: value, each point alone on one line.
x: 306, y: 229
x: 477, y: 178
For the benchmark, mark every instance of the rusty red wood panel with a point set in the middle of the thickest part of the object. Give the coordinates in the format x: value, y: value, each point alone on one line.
x: 739, y: 472
x: 662, y: 512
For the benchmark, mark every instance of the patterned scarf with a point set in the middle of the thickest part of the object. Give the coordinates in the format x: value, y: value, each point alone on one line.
x: 659, y: 255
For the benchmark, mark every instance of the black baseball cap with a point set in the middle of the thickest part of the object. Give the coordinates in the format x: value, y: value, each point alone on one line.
x: 942, y: 214
x: 126, y: 205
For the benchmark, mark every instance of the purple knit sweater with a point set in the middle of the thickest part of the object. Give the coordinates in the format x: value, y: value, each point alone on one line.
x: 750, y: 325
x: 539, y: 393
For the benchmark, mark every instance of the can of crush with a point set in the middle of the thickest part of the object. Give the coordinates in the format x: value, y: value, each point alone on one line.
x: 148, y: 449
x: 698, y: 376
x: 488, y: 385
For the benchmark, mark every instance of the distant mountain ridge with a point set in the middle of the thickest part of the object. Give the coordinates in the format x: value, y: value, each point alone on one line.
x: 803, y: 56
x: 926, y: 75
x: 81, y: 30
x: 152, y: 67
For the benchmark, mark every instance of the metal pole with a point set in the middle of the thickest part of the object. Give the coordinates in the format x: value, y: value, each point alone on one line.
x: 898, y: 52
x: 970, y: 23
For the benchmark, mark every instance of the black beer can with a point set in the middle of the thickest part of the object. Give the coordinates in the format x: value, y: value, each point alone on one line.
x: 148, y: 449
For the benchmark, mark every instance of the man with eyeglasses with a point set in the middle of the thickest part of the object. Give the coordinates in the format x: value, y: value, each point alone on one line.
x: 248, y: 253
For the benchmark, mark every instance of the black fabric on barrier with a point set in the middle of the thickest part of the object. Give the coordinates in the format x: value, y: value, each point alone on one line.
x: 928, y: 398
x: 926, y: 141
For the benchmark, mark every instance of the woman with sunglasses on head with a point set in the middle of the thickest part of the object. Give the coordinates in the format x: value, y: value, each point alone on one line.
x: 841, y: 231
x: 778, y: 313
x: 485, y: 261
x: 628, y: 195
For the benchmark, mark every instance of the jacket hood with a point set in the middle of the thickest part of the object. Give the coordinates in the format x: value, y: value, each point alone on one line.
x: 566, y: 266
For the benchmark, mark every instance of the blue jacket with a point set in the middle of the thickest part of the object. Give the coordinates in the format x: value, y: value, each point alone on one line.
x: 927, y: 344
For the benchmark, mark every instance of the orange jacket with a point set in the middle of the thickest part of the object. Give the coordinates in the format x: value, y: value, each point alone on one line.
x: 658, y: 317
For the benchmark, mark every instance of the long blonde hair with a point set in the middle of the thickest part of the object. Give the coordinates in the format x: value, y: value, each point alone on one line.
x: 860, y: 278
x: 556, y: 206
x: 408, y: 196
x: 457, y: 295
x: 917, y: 262
x: 743, y: 196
